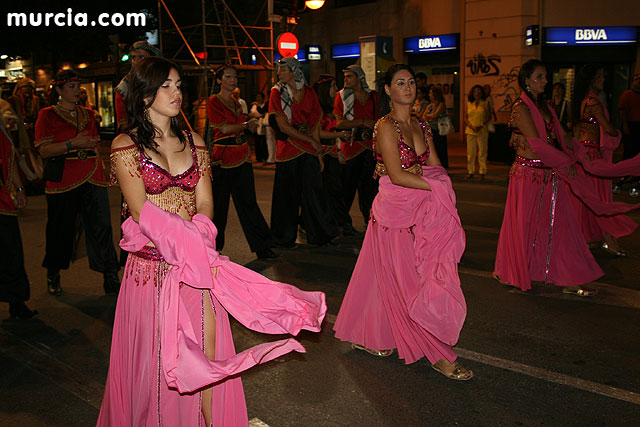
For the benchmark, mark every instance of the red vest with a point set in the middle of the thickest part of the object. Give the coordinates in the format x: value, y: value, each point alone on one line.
x: 53, y: 128
x: 305, y: 116
x: 229, y: 149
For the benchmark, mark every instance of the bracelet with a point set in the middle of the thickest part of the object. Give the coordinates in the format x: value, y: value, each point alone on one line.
x: 69, y: 145
x: 19, y: 189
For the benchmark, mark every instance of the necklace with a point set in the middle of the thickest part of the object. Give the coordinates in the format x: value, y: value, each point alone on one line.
x: 72, y: 112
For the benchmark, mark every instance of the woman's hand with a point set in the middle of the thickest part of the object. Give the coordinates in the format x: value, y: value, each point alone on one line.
x: 82, y: 140
x: 341, y: 158
x: 252, y: 125
x: 21, y: 199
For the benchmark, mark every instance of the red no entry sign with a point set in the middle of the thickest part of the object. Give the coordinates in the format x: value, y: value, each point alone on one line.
x: 287, y: 45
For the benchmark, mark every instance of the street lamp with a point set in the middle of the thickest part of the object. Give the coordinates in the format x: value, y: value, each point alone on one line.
x: 314, y: 4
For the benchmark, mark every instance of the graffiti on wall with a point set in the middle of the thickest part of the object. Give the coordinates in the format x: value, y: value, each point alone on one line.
x: 506, y: 88
x: 484, y: 66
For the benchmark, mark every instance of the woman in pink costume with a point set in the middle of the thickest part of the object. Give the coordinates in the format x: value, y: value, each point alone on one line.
x: 600, y: 139
x: 540, y: 239
x: 173, y: 361
x: 405, y: 291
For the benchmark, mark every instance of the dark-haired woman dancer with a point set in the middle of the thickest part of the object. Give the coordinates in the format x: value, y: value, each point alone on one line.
x: 540, y: 239
x: 405, y: 291
x: 232, y: 171
x: 173, y: 360
x: 67, y: 136
x: 600, y: 139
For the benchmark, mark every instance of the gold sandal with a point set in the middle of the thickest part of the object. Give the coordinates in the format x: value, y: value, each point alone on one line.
x: 379, y: 353
x: 459, y: 373
x: 580, y: 291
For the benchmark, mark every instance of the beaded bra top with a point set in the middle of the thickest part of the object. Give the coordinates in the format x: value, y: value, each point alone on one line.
x: 170, y: 192
x: 409, y: 159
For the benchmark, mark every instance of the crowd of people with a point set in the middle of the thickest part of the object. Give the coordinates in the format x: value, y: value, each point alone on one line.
x: 172, y: 356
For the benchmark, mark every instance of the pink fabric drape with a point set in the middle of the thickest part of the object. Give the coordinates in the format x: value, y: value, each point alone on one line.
x: 560, y: 160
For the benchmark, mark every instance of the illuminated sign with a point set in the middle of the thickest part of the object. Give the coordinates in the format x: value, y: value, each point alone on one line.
x: 313, y: 53
x: 300, y: 56
x: 591, y: 35
x: 349, y: 50
x: 431, y: 43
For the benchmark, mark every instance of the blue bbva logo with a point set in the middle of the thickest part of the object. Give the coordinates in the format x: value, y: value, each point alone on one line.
x: 591, y: 34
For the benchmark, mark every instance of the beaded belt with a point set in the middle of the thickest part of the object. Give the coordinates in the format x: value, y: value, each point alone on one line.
x: 531, y: 163
x: 81, y: 154
x: 588, y: 143
x: 149, y: 253
x: 363, y: 134
x: 239, y: 139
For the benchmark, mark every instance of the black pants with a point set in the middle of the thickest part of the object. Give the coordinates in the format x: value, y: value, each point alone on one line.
x: 358, y: 175
x: 92, y: 204
x: 298, y: 192
x: 262, y: 154
x: 332, y: 182
x: 440, y: 143
x: 14, y: 284
x: 238, y: 183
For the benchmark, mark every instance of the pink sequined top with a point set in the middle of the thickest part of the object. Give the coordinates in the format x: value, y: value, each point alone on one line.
x: 157, y: 179
x: 409, y: 159
x: 173, y: 193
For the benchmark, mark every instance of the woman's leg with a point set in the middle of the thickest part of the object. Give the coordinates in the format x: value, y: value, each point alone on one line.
x: 209, y: 345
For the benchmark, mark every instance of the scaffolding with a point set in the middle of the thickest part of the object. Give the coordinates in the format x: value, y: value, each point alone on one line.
x: 218, y: 36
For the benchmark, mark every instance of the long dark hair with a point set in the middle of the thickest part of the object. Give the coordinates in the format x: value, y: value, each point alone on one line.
x: 385, y: 101
x: 144, y: 80
x: 526, y: 70
x: 482, y: 96
x: 62, y: 78
x: 322, y: 88
x: 584, y: 79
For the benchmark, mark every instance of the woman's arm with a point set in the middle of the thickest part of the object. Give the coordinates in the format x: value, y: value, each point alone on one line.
x: 131, y: 184
x: 387, y: 143
x: 595, y: 107
x: 204, y: 197
x: 431, y: 117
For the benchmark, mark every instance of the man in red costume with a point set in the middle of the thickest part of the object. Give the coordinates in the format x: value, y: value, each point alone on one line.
x: 14, y: 284
x: 356, y: 109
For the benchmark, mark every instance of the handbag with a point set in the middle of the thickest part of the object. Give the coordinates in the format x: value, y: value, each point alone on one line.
x: 445, y: 126
x: 53, y: 168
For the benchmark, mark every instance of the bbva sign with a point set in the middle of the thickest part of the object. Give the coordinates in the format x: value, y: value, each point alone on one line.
x: 591, y: 34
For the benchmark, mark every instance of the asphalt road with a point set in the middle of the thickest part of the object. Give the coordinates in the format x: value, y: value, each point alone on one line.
x: 540, y: 359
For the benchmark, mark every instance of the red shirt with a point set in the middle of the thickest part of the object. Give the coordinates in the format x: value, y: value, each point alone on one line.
x: 366, y: 111
x: 121, y: 112
x: 54, y: 128
x: 328, y: 124
x: 229, y: 149
x: 630, y: 103
x: 307, y: 112
x: 7, y: 164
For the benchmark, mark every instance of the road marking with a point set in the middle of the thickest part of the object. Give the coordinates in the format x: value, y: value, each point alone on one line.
x: 554, y: 377
x: 608, y: 294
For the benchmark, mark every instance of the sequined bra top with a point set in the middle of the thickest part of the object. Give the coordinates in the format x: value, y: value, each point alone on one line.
x: 518, y: 140
x: 409, y: 159
x: 172, y: 193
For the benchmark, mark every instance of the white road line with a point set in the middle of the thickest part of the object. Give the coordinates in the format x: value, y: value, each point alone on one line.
x: 554, y: 377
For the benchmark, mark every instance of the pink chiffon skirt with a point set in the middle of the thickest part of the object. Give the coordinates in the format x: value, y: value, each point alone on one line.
x: 375, y: 310
x: 593, y: 226
x: 136, y: 393
x: 538, y: 242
